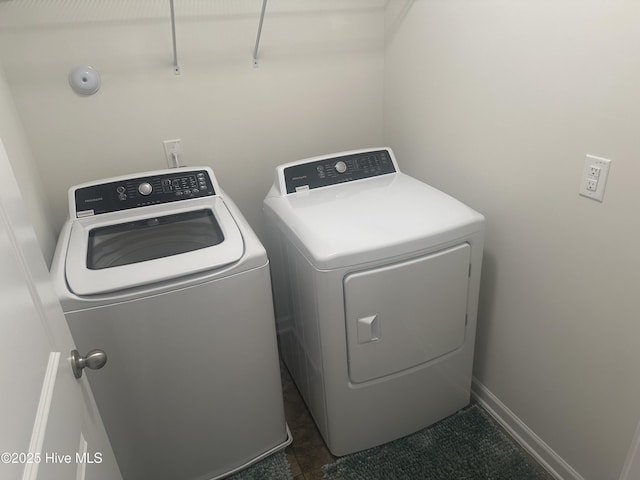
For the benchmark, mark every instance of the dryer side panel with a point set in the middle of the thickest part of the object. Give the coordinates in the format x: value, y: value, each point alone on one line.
x: 406, y: 314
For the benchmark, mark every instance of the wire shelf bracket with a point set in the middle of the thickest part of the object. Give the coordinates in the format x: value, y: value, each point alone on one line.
x: 255, y: 49
x: 176, y: 65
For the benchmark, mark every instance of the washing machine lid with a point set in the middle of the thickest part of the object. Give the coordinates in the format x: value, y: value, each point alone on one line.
x: 369, y: 219
x: 143, y: 246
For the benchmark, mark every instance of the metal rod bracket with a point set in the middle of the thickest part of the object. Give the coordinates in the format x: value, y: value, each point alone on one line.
x: 255, y: 50
x: 176, y: 65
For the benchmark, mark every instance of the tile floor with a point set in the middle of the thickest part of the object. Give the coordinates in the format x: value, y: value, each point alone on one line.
x: 308, y: 452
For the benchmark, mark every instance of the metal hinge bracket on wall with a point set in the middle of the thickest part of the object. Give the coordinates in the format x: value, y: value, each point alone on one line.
x: 255, y: 49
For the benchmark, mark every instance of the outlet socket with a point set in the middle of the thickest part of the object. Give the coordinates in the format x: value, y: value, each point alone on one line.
x: 594, y: 177
x: 172, y: 152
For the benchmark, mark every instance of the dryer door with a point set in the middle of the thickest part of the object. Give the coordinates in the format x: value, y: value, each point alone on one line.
x: 406, y: 314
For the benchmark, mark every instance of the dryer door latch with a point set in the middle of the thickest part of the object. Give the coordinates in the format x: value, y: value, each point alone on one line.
x: 368, y: 329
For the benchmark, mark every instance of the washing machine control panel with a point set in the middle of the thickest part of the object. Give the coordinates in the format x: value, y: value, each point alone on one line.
x: 142, y: 191
x: 330, y: 171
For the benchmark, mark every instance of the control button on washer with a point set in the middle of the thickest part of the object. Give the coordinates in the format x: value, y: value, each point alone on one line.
x: 145, y: 188
x: 341, y: 167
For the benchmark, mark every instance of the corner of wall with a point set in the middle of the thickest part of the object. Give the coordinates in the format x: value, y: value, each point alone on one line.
x: 28, y: 178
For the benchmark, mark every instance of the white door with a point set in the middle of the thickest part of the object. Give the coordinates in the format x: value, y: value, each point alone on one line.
x: 50, y: 427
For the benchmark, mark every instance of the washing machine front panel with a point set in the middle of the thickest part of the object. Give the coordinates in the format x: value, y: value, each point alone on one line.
x: 192, y: 387
x: 406, y: 314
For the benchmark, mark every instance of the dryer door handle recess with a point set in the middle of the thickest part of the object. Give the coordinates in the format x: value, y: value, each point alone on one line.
x: 94, y: 360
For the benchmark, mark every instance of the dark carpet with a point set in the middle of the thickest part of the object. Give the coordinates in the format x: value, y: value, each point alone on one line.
x: 274, y: 467
x: 466, y: 446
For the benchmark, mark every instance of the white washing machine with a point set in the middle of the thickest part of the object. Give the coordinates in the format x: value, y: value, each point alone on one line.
x: 376, y: 279
x: 162, y: 272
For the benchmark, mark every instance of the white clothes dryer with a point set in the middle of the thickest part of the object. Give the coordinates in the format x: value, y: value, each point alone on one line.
x: 162, y: 272
x: 376, y: 278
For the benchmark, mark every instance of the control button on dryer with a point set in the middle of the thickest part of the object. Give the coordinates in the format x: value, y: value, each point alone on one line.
x: 341, y: 167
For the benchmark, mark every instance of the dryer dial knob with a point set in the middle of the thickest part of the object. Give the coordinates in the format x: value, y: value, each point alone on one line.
x: 341, y: 167
x: 145, y: 188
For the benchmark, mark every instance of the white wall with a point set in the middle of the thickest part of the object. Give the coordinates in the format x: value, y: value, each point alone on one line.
x: 318, y: 88
x: 493, y: 101
x: 16, y: 144
x: 497, y: 102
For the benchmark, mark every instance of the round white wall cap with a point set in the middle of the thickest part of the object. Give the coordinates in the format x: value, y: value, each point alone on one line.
x: 84, y: 80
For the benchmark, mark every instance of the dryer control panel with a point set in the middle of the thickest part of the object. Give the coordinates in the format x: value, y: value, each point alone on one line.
x: 339, y: 169
x: 141, y: 191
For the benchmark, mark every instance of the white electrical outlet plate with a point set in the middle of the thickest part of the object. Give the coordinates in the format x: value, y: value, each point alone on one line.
x: 594, y: 177
x: 172, y: 152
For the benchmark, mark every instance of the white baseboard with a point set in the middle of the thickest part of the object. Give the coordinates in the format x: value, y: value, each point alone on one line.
x: 521, y: 433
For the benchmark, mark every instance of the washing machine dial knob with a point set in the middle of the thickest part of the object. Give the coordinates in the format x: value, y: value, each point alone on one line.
x: 145, y: 188
x: 341, y: 167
